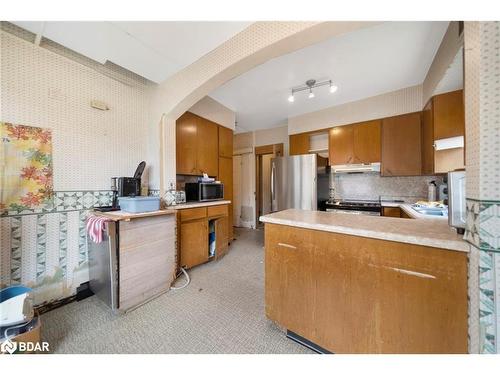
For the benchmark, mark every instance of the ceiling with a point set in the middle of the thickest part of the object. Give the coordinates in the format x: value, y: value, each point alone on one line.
x: 363, y: 63
x: 453, y: 78
x: 154, y: 50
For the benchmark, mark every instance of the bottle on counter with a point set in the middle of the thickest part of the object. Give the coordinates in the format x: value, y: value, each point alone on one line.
x: 432, y: 191
x: 170, y: 195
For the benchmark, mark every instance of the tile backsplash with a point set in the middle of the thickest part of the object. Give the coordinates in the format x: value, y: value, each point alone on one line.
x: 373, y: 186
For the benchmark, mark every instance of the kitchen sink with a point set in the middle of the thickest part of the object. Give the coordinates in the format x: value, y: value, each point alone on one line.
x: 431, y: 211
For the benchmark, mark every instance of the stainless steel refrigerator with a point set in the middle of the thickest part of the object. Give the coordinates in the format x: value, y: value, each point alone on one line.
x: 298, y: 182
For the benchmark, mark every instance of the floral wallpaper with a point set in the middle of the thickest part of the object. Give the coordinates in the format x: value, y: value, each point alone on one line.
x: 25, y: 167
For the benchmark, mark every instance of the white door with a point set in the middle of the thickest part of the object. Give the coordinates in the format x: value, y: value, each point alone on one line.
x: 237, y: 190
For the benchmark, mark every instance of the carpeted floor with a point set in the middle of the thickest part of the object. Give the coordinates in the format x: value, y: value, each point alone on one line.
x: 221, y: 311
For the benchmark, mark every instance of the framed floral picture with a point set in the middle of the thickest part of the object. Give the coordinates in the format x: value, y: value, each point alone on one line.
x: 25, y: 167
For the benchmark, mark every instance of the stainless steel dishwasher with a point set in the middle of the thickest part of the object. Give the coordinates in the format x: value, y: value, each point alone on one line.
x: 104, y: 266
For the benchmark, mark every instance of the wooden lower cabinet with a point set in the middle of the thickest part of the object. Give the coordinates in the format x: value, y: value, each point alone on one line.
x: 391, y: 211
x: 192, y: 239
x: 351, y: 294
x: 194, y: 243
x: 221, y: 235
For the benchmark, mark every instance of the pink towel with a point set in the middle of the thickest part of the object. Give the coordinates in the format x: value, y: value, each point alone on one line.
x: 95, y: 226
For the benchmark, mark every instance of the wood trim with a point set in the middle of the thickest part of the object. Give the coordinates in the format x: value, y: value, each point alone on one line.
x: 276, y: 149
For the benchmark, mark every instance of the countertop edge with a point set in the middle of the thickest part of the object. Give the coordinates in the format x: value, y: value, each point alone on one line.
x: 185, y: 206
x: 394, y: 237
x: 122, y: 215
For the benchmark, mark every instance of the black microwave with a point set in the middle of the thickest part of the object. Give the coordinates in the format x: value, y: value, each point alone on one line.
x: 204, y: 191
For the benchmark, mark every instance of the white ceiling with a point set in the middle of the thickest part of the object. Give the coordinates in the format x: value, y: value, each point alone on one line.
x: 453, y: 78
x: 362, y: 63
x: 154, y: 50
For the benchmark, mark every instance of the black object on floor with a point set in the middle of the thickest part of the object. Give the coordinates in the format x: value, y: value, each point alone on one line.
x: 83, y: 291
x: 305, y: 342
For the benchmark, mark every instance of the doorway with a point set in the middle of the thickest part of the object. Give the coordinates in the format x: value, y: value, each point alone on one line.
x: 263, y: 156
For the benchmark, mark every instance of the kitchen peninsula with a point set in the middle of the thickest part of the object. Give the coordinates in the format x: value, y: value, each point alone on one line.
x: 365, y: 284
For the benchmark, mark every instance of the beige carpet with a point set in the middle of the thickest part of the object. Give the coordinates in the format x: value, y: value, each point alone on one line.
x: 221, y: 311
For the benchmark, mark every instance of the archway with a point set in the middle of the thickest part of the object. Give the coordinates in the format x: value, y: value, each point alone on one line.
x: 255, y: 45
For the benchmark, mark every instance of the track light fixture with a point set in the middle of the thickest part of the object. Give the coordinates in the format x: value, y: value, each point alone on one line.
x: 310, y: 85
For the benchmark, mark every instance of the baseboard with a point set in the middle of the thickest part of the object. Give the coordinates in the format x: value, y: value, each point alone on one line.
x: 305, y: 342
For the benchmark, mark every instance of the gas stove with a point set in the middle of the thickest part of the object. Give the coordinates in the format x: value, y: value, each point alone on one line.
x: 366, y: 207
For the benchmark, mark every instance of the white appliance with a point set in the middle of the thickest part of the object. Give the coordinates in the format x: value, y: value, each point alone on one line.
x: 456, y: 200
x: 16, y: 305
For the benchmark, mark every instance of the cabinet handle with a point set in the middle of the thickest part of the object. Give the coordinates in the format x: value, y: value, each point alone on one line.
x: 287, y: 245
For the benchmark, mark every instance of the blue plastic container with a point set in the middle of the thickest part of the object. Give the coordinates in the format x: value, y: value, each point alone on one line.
x: 139, y: 204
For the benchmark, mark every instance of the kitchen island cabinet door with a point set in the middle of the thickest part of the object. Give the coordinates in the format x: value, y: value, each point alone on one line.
x: 289, y: 278
x: 146, y: 258
x: 351, y: 294
x: 341, y: 145
x: 401, y: 145
x: 194, y: 243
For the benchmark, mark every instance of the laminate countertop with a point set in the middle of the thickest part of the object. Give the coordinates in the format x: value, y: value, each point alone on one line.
x: 187, y: 205
x: 123, y: 215
x: 429, y: 232
x: 406, y: 207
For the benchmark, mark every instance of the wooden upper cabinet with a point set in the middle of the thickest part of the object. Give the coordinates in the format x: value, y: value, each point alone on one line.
x: 427, y: 140
x: 207, y: 158
x: 299, y: 144
x: 341, y: 145
x: 442, y: 117
x: 357, y: 143
x: 197, y: 145
x: 448, y: 112
x: 367, y: 141
x: 225, y: 142
x: 401, y: 145
x: 225, y: 176
x: 186, y: 143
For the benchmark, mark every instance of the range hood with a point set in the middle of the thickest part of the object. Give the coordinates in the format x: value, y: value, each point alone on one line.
x: 356, y: 168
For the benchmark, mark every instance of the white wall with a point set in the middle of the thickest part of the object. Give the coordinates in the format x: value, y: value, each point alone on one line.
x: 48, y: 250
x: 390, y: 104
x: 272, y: 136
x: 445, y: 55
x: 214, y: 111
x: 41, y: 88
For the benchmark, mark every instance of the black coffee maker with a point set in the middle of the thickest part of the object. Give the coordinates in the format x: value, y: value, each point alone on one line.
x: 131, y: 186
x: 124, y: 187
